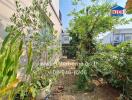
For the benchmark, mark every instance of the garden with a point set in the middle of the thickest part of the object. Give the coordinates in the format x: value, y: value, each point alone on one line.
x: 111, y: 63
x: 24, y: 72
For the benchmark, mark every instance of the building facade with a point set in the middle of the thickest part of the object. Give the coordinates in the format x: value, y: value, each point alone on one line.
x: 65, y: 40
x: 8, y: 8
x: 117, y: 36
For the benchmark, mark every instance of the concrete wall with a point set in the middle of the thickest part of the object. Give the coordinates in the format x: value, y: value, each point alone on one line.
x: 53, y: 9
x: 7, y: 8
x: 56, y: 6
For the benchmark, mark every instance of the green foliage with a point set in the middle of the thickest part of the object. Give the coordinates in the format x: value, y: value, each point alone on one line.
x: 124, y: 66
x: 75, y: 2
x: 105, y: 48
x: 30, y: 61
x: 129, y: 11
x: 10, y: 54
x: 114, y: 64
x: 72, y: 47
x: 111, y: 63
x: 31, y: 31
x: 37, y: 31
x: 84, y: 77
x: 71, y: 52
x: 91, y: 21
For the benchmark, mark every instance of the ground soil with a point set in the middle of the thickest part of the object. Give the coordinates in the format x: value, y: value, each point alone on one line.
x: 65, y: 88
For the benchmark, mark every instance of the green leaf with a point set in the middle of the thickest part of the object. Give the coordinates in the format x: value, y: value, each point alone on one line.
x: 6, y: 40
x: 29, y: 66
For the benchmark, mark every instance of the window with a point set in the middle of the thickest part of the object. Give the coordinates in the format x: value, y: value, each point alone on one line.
x: 66, y: 39
x: 128, y: 37
x: 117, y: 38
x: 47, y: 28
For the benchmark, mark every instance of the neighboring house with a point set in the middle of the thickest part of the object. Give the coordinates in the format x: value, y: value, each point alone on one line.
x: 105, y: 38
x: 65, y: 40
x: 8, y: 7
x: 117, y: 36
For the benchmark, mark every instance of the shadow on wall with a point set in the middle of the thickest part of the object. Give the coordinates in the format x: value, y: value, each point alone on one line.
x: 2, y: 31
x: 8, y: 4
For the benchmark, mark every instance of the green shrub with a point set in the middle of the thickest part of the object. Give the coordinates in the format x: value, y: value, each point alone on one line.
x: 27, y: 33
x: 71, y: 51
x: 10, y: 54
x: 114, y: 64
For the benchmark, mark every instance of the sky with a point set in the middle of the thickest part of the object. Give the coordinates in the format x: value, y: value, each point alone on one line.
x: 66, y: 6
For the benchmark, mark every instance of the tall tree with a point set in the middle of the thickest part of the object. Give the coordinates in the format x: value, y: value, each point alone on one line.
x: 90, y: 21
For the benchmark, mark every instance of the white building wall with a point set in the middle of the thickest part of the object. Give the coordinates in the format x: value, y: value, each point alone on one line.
x: 56, y: 6
x: 107, y: 39
x: 65, y: 38
x: 119, y: 31
x: 7, y: 8
x: 55, y: 19
x: 119, y: 35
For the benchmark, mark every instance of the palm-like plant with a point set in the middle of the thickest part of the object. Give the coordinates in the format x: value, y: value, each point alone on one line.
x: 10, y: 54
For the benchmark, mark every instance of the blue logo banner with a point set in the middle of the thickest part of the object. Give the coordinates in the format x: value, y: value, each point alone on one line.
x: 117, y: 11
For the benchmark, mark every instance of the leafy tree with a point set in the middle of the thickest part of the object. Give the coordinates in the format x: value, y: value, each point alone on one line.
x: 85, y: 26
x: 90, y: 21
